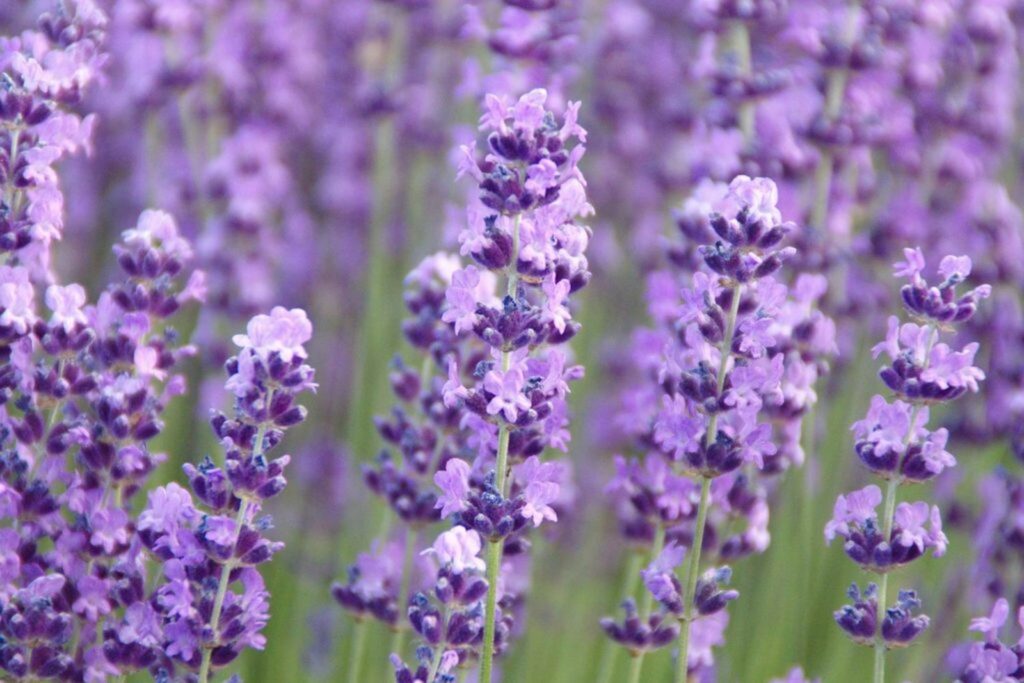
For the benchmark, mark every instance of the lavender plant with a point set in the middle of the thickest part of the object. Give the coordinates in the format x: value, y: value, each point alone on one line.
x: 451, y: 625
x: 522, y: 226
x: 894, y: 442
x: 719, y: 372
x: 207, y: 549
x: 425, y: 433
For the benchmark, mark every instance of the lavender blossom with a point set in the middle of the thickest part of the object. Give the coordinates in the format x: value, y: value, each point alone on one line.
x: 734, y: 346
x: 530, y: 192
x: 450, y: 624
x: 212, y: 544
x: 894, y: 442
x: 991, y: 659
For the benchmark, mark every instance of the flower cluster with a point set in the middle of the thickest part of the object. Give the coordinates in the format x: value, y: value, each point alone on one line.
x: 991, y: 659
x: 894, y: 442
x: 46, y: 74
x: 521, y: 226
x: 739, y: 357
x: 450, y: 622
x: 84, y: 392
x: 211, y: 541
x: 425, y: 435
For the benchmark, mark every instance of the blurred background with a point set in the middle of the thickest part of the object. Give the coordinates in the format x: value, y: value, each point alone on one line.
x: 309, y: 146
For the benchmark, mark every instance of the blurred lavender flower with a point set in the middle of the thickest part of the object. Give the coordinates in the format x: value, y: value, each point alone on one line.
x: 991, y: 660
x: 733, y: 346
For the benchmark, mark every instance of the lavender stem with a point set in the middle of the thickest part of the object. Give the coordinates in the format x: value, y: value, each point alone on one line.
x: 692, y: 569
x: 500, y: 474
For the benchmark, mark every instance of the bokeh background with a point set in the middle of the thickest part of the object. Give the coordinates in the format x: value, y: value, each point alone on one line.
x: 308, y: 147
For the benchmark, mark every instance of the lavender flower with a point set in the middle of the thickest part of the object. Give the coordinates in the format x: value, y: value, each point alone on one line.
x: 89, y: 386
x: 895, y: 443
x: 451, y: 624
x: 734, y: 347
x: 531, y: 191
x: 992, y: 660
x: 209, y: 546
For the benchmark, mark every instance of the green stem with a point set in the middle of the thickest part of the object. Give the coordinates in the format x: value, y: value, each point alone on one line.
x: 739, y: 37
x: 355, y: 657
x: 230, y: 564
x: 435, y: 662
x: 890, y: 506
x: 693, y: 561
x: 636, y: 665
x: 835, y: 93
x: 494, y: 548
x: 487, y: 656
x: 692, y: 570
x: 887, y: 519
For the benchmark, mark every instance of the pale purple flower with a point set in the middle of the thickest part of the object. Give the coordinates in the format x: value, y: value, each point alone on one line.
x: 66, y: 303
x: 458, y: 549
x: 958, y: 267
x: 141, y: 625
x: 283, y: 331
x: 677, y: 429
x: 158, y: 230
x: 147, y: 362
x: 462, y: 299
x: 541, y: 483
x: 92, y: 599
x: 538, y: 496
x: 541, y: 176
x: 991, y: 624
x: 911, y: 518
x: 507, y: 388
x: 554, y: 310
x: 760, y: 195
x: 109, y: 529
x: 912, y: 266
x: 948, y: 368
x: 934, y: 452
x: 886, y: 424
x: 454, y: 484
x: 169, y: 507
x: 856, y: 507
x: 453, y: 392
x: 16, y: 299
x: 220, y: 530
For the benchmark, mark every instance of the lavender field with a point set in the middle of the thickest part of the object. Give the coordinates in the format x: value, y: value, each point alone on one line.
x: 531, y: 341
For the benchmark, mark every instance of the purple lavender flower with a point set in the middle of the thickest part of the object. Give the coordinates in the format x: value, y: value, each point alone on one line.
x: 992, y: 660
x: 894, y: 442
x: 209, y: 545
x: 450, y: 622
x: 737, y: 351
x: 531, y: 192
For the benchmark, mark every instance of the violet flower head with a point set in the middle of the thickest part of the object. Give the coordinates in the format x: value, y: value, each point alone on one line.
x: 895, y: 443
x: 215, y: 541
x: 992, y: 660
x: 449, y: 617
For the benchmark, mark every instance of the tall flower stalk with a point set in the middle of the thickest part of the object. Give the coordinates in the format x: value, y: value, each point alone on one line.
x: 893, y: 441
x: 722, y: 374
x: 521, y: 227
x: 767, y: 344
